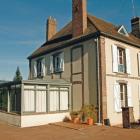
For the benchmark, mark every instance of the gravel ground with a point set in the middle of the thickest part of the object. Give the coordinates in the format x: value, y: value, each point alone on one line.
x: 56, y: 132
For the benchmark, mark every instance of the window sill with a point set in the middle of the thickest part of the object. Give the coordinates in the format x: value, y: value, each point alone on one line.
x: 121, y: 73
x: 44, y: 113
x: 58, y: 72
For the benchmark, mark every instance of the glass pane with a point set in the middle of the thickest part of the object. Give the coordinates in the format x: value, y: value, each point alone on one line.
x: 54, y: 100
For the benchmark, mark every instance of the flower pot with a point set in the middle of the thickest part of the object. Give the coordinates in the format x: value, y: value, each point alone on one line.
x: 76, y: 120
x: 90, y: 121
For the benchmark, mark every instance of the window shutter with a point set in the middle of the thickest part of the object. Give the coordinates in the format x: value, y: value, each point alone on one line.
x: 139, y: 92
x: 115, y: 58
x: 43, y: 68
x: 128, y: 61
x: 35, y: 69
x: 129, y: 95
x: 117, y: 99
x: 51, y: 64
x: 62, y: 61
x: 139, y: 63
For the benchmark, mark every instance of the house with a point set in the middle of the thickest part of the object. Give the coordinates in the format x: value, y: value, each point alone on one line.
x: 89, y: 61
x: 101, y: 60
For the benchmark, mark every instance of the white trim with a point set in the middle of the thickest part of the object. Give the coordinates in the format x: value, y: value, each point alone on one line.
x: 125, y: 31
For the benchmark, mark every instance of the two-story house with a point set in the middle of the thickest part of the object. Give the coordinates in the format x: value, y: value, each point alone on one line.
x: 101, y: 60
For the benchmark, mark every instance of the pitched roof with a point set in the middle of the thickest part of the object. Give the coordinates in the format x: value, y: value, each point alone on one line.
x: 94, y: 25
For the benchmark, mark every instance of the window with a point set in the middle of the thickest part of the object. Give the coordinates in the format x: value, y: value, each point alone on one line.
x: 123, y: 31
x: 59, y: 99
x: 123, y: 95
x: 15, y: 100
x: 121, y: 60
x: 39, y: 68
x: 41, y: 105
x: 29, y: 101
x: 3, y: 99
x: 57, y: 62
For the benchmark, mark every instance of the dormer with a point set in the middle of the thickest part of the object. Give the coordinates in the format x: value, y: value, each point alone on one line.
x: 123, y: 31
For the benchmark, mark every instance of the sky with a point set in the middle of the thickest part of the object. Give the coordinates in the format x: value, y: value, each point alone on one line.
x: 23, y: 26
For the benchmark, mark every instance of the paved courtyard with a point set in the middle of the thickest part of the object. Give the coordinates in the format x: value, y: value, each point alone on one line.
x: 58, y: 132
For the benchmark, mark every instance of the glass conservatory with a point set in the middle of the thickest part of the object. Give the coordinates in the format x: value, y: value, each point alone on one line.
x: 35, y: 102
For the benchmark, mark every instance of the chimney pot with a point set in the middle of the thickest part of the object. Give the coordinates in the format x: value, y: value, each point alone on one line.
x: 135, y: 24
x: 79, y: 17
x: 51, y: 28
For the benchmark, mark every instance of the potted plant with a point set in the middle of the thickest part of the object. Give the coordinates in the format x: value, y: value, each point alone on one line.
x: 75, y: 117
x: 90, y: 114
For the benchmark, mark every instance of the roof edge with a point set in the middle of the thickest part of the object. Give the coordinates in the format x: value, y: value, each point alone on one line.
x: 71, y: 42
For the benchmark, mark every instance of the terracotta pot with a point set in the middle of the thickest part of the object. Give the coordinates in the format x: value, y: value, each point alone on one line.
x: 76, y: 120
x: 90, y: 121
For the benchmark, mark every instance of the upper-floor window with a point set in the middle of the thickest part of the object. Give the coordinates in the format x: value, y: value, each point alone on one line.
x: 123, y: 31
x: 39, y: 68
x: 57, y: 62
x: 121, y: 59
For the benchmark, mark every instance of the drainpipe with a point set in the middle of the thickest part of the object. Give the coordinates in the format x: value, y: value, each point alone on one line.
x: 98, y: 80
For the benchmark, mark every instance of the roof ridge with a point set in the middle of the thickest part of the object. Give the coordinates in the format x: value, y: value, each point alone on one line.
x: 92, y: 22
x: 108, y: 22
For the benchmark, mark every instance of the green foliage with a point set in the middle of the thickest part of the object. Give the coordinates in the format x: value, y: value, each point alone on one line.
x: 18, y: 76
x: 89, y: 111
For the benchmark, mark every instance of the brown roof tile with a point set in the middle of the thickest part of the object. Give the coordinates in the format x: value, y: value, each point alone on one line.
x: 94, y: 25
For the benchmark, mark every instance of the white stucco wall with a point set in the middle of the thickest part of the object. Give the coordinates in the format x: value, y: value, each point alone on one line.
x: 43, y: 119
x: 111, y: 78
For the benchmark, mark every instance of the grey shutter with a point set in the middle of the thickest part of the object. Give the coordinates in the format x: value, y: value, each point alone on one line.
x: 139, y: 63
x: 115, y: 58
x: 43, y: 67
x: 129, y: 95
x: 117, y: 99
x: 128, y: 61
x: 35, y: 69
x: 51, y: 64
x: 62, y: 61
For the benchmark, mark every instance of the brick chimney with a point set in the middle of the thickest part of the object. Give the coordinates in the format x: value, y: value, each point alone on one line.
x: 79, y: 17
x: 51, y: 28
x: 135, y: 23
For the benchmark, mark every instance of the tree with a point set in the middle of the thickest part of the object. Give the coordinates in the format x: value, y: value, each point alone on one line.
x: 18, y: 76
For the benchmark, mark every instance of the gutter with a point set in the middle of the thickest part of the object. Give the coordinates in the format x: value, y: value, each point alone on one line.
x: 119, y: 39
x: 68, y: 43
x: 98, y: 81
x: 82, y: 39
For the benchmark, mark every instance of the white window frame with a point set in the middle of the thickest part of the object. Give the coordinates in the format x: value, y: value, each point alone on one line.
x: 61, y: 105
x: 115, y: 60
x: 57, y: 63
